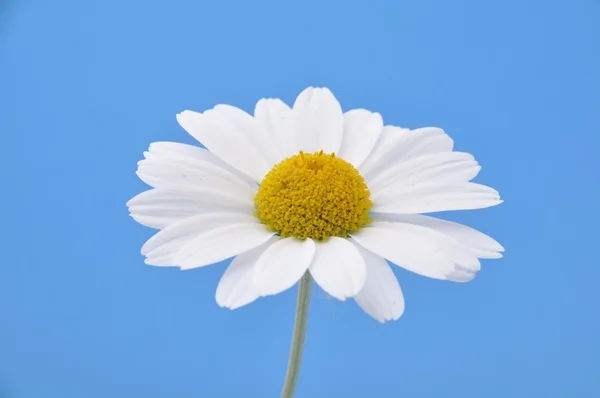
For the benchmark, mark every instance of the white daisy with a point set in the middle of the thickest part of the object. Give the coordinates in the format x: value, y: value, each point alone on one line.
x: 311, y: 188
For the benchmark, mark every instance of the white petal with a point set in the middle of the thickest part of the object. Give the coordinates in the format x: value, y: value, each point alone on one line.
x: 254, y: 132
x: 158, y: 208
x: 459, y: 254
x: 406, y: 146
x: 230, y: 135
x: 461, y: 275
x: 165, y: 150
x: 429, y: 198
x: 271, y: 115
x: 316, y: 122
x: 236, y: 287
x: 407, y: 249
x: 282, y: 265
x: 381, y: 296
x: 361, y: 132
x: 175, y: 149
x: 388, y: 134
x: 165, y: 258
x: 424, y: 143
x: 220, y: 244
x: 479, y: 243
x: 338, y: 268
x: 184, y: 172
x: 162, y: 247
x: 448, y: 167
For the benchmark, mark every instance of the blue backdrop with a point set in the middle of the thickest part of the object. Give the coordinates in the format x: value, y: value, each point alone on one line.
x: 86, y: 86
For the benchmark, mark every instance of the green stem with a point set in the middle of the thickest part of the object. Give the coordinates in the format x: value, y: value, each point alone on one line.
x: 293, y: 370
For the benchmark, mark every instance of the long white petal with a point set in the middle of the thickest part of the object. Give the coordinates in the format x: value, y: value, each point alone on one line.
x: 461, y: 275
x: 162, y: 247
x: 424, y: 144
x: 381, y: 296
x: 460, y: 255
x: 282, y: 265
x: 316, y: 122
x: 361, y: 132
x: 272, y: 114
x: 479, y: 243
x: 258, y: 136
x: 168, y: 150
x: 407, y: 249
x: 448, y: 167
x: 388, y: 134
x: 406, y: 146
x: 338, y: 268
x: 220, y: 244
x: 230, y: 135
x: 236, y: 287
x: 158, y: 208
x: 434, y: 197
x: 183, y: 173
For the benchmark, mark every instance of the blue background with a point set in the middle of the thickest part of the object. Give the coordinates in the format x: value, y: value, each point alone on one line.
x: 86, y: 86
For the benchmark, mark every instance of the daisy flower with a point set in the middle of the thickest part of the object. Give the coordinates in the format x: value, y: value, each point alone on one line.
x: 311, y: 190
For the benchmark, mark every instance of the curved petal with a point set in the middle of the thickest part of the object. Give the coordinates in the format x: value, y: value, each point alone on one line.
x: 158, y: 208
x: 361, y: 132
x: 166, y: 150
x: 282, y: 265
x: 338, y: 268
x: 460, y: 255
x: 236, y: 287
x: 161, y: 248
x: 479, y: 243
x: 183, y: 173
x: 406, y: 146
x: 271, y: 114
x: 176, y: 149
x: 427, y: 140
x: 381, y: 296
x: 316, y: 122
x: 461, y: 275
x: 433, y: 197
x: 388, y: 134
x: 406, y: 248
x: 448, y: 167
x: 230, y: 135
x: 259, y: 137
x: 220, y: 244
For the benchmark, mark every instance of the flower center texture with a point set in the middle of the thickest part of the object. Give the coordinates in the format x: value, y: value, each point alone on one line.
x: 313, y: 196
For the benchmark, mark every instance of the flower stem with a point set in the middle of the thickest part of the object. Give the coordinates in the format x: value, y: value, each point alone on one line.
x: 293, y: 370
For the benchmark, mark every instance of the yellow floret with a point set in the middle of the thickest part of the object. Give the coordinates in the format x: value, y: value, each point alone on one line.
x: 313, y: 196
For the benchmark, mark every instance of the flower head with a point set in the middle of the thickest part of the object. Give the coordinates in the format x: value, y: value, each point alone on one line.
x: 313, y: 196
x: 310, y: 188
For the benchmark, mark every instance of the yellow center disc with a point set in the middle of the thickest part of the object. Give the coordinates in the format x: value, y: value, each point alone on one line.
x: 313, y: 196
